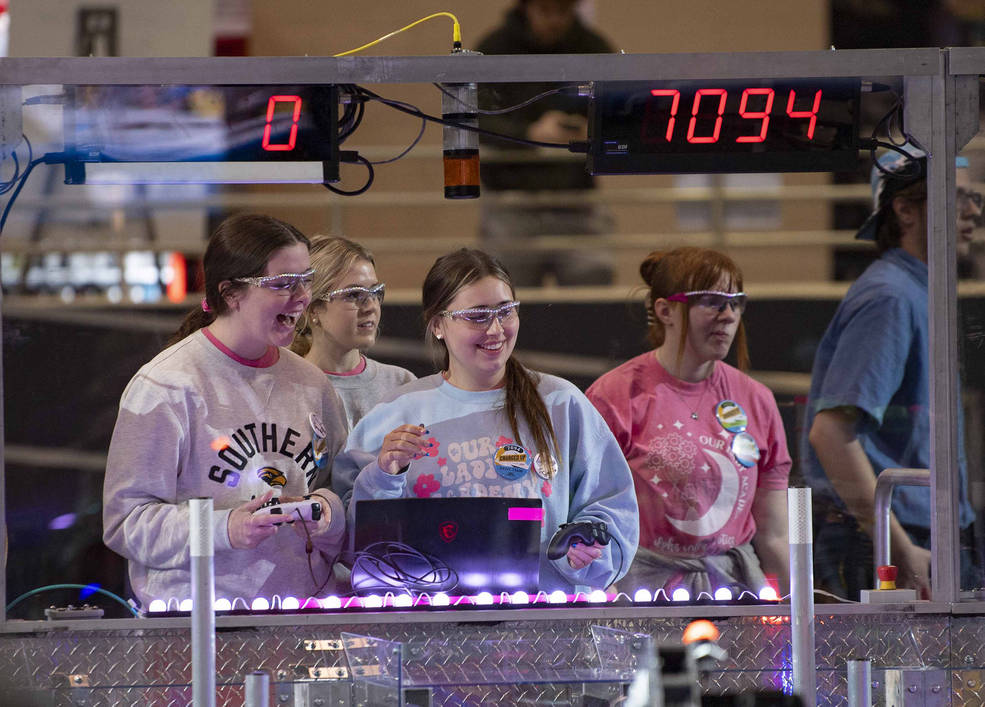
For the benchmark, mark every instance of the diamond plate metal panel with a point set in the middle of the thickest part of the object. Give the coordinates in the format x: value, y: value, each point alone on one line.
x: 968, y: 642
x: 968, y: 688
x: 886, y: 640
x: 475, y: 663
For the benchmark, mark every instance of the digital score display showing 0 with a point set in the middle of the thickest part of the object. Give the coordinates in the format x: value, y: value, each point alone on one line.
x: 172, y: 123
x: 803, y: 125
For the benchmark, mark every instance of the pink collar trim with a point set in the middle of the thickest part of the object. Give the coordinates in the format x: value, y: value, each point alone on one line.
x: 354, y: 372
x: 268, y: 359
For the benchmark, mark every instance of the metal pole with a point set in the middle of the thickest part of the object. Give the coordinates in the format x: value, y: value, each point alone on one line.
x: 257, y: 689
x: 203, y: 598
x: 802, y: 593
x: 859, y: 683
x: 887, y: 480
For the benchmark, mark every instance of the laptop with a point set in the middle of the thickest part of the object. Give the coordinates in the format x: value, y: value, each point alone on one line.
x: 459, y: 546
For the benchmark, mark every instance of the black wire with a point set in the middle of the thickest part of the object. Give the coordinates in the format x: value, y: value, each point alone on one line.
x: 411, y: 146
x: 352, y: 115
x: 363, y: 188
x: 914, y: 169
x: 418, y: 113
x: 385, y: 563
x: 23, y: 180
x: 510, y: 109
x: 8, y: 185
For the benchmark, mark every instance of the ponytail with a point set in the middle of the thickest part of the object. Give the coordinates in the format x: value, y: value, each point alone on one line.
x: 522, y: 397
x: 195, y: 319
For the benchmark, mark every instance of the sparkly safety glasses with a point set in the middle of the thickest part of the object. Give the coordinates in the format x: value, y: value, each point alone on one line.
x: 357, y: 296
x: 285, y: 282
x: 481, y: 317
x: 712, y: 300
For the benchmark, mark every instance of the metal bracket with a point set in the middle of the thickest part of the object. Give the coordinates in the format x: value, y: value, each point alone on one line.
x: 323, y: 645
x: 338, y: 672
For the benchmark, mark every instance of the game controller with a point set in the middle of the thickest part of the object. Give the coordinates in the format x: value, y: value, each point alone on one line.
x: 291, y: 511
x: 586, y: 532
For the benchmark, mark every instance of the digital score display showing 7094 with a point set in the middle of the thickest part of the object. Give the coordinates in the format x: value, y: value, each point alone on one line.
x: 645, y: 127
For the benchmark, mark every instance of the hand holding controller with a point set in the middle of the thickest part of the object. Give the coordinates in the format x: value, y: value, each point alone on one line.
x: 291, y: 511
x: 585, y: 532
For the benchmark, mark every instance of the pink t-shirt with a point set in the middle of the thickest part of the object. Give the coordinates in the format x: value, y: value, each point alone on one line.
x: 695, y: 497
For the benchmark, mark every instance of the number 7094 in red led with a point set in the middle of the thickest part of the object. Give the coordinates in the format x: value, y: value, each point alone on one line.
x: 724, y: 126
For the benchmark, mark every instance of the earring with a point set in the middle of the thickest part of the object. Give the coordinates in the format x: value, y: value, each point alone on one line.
x: 438, y: 337
x: 314, y: 322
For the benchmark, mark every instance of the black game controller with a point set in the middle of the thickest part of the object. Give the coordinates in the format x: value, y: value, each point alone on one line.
x: 289, y: 512
x: 586, y: 532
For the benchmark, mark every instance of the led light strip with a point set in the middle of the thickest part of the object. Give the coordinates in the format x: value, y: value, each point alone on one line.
x: 441, y: 600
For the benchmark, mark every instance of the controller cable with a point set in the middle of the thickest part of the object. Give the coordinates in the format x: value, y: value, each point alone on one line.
x: 385, y: 563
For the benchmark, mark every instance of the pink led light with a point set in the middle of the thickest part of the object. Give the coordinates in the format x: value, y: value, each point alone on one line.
x: 642, y: 595
x: 523, y: 513
x: 260, y: 604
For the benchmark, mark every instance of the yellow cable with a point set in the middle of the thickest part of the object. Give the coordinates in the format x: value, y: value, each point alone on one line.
x: 456, y: 32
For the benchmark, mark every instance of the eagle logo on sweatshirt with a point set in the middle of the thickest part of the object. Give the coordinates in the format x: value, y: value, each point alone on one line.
x: 272, y: 477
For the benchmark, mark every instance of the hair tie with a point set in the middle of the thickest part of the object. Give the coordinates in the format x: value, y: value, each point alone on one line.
x: 205, y: 305
x: 648, y: 303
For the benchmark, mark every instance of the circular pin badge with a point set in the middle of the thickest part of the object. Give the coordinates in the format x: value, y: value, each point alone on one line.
x: 317, y: 426
x: 745, y: 450
x: 511, y: 461
x: 545, y: 470
x: 731, y: 416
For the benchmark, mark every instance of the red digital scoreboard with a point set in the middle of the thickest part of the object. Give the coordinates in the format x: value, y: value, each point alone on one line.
x: 183, y: 123
x: 640, y: 127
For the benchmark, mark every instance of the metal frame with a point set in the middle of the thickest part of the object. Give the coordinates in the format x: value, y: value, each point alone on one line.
x: 941, y: 110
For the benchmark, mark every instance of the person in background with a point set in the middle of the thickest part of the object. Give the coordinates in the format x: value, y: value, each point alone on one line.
x: 704, y: 440
x: 868, y: 407
x: 225, y: 412
x: 529, y: 434
x: 542, y: 27
x: 342, y: 323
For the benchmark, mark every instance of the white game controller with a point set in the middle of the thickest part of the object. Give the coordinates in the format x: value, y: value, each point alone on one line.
x: 291, y: 511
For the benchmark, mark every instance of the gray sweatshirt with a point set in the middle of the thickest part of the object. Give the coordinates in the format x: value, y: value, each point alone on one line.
x: 361, y: 391
x: 194, y: 422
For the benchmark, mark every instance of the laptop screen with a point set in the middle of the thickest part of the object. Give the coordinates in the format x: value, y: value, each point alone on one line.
x: 453, y: 545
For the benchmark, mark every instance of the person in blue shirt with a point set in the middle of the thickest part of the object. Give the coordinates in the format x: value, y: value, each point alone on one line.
x: 869, y: 401
x: 485, y: 425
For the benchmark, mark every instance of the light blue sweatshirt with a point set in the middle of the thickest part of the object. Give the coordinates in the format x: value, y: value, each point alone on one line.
x: 473, y: 453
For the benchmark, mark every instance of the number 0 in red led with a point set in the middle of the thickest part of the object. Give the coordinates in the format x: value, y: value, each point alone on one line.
x: 295, y: 116
x: 722, y: 95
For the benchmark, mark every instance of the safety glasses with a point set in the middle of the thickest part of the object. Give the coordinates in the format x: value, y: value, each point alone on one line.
x: 712, y: 300
x: 357, y: 296
x: 285, y: 282
x: 481, y: 317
